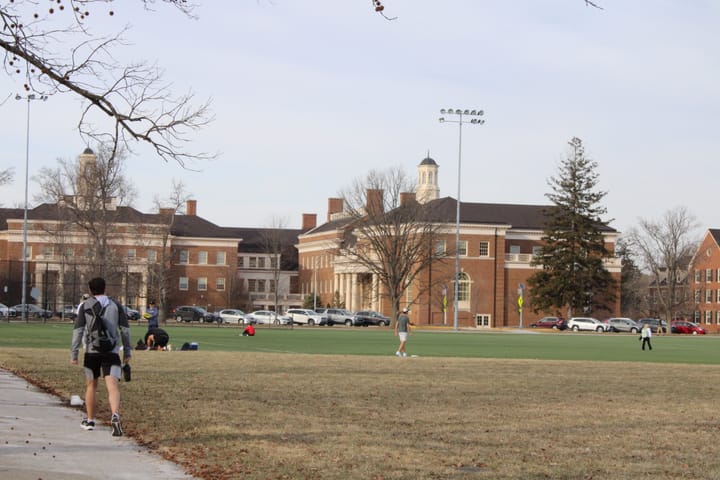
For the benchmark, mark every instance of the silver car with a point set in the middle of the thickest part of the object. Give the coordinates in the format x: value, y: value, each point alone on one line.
x: 586, y: 323
x: 267, y: 317
x: 304, y: 316
x: 621, y: 324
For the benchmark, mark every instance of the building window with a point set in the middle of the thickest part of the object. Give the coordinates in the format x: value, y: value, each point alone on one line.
x: 220, y: 284
x: 462, y: 248
x: 183, y: 284
x: 220, y: 258
x: 536, y: 250
x: 131, y: 253
x: 515, y: 249
x: 708, y: 295
x: 252, y: 285
x: 440, y: 247
x: 28, y: 252
x: 482, y: 320
x: 202, y: 284
x: 184, y: 257
x: 253, y: 262
x: 484, y: 249
x: 696, y: 316
x: 261, y: 262
x: 152, y: 256
x: 697, y: 276
x: 717, y: 296
x: 48, y: 251
x: 273, y: 262
x: 463, y: 287
x: 241, y: 262
x: 708, y: 317
x: 202, y: 258
x: 717, y: 317
x: 272, y: 286
x: 708, y: 275
x: 261, y: 285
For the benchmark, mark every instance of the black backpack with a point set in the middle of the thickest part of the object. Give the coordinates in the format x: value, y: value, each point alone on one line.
x: 98, y: 335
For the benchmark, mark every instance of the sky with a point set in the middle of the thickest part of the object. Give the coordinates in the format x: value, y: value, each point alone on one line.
x: 308, y: 96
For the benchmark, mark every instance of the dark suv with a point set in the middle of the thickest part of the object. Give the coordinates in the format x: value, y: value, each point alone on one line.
x: 369, y: 317
x: 556, y: 323
x: 192, y: 314
x: 654, y: 324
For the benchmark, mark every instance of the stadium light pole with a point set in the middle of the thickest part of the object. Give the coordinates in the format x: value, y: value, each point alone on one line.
x: 460, y: 117
x: 30, y: 97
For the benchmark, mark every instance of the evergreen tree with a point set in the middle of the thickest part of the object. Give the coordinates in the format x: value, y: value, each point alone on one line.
x: 573, y: 275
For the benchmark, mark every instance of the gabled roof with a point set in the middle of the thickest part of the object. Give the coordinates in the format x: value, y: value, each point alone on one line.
x: 715, y: 234
x: 444, y: 210
x: 183, y: 225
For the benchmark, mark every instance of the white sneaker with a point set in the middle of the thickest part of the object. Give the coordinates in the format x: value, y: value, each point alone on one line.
x: 404, y: 354
x: 398, y: 354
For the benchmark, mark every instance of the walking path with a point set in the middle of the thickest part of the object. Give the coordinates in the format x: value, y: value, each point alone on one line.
x: 41, y: 439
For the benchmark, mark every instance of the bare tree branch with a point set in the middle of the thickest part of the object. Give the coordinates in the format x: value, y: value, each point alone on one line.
x: 134, y: 102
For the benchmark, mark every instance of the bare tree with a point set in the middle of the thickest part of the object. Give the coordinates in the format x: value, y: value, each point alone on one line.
x: 87, y: 194
x: 274, y: 242
x: 159, y: 272
x: 665, y: 248
x: 391, y: 235
x: 54, y: 51
x: 6, y: 176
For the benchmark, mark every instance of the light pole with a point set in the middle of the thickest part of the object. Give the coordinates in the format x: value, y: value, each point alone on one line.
x: 29, y: 98
x: 460, y: 116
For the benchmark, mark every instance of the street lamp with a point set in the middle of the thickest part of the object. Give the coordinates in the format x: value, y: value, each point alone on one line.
x: 29, y: 98
x: 460, y: 116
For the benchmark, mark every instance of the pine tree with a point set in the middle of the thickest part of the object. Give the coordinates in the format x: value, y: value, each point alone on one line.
x: 573, y: 274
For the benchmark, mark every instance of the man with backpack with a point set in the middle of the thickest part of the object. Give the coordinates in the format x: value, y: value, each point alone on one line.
x: 98, y: 327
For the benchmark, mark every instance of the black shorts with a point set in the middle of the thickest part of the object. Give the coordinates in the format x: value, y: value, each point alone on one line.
x: 109, y: 363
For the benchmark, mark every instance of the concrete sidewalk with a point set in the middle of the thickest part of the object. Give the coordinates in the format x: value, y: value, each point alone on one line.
x: 41, y: 439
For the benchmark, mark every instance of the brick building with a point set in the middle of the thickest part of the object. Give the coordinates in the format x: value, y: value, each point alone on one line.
x: 704, y: 282
x: 497, y: 245
x: 208, y: 265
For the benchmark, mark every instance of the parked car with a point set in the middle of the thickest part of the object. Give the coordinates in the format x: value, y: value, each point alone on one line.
x: 267, y: 317
x: 370, y: 317
x: 654, y: 323
x: 586, y: 323
x: 32, y: 311
x: 337, y: 316
x: 231, y: 315
x: 6, y: 311
x: 67, y: 311
x: 556, y: 323
x: 681, y: 326
x: 187, y: 313
x: 305, y: 316
x: 621, y: 324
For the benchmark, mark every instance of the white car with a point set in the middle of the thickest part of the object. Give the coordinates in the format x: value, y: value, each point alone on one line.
x: 586, y: 323
x: 231, y: 315
x: 267, y: 317
x: 304, y: 316
x: 6, y: 311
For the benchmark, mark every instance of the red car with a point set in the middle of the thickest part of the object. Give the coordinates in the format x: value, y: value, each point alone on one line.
x: 681, y: 326
x: 556, y: 323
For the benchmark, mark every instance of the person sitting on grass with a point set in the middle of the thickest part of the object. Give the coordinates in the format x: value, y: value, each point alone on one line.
x: 249, y: 331
x: 156, y: 339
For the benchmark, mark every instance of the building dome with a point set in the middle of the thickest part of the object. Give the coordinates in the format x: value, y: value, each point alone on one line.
x: 88, y: 151
x: 428, y: 161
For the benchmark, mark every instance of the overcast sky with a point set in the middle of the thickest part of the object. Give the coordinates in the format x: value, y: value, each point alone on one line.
x: 308, y: 95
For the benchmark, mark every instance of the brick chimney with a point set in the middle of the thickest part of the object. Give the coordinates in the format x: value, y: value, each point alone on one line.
x: 335, y: 205
x: 374, y: 202
x: 309, y: 221
x: 407, y: 198
x: 191, y: 208
x: 166, y: 212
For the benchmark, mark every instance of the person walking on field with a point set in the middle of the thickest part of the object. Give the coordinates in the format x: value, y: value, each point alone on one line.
x: 402, y: 330
x: 645, y: 336
x: 96, y: 362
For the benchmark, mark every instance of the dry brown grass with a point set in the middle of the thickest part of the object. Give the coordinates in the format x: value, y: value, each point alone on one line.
x: 270, y: 416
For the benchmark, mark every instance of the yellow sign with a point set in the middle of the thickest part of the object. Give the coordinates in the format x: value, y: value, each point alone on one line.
x: 520, y: 301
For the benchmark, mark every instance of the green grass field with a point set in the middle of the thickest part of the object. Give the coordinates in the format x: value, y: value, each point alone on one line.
x: 335, y: 403
x: 526, y: 344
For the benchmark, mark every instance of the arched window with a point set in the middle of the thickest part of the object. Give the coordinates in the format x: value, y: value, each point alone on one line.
x: 463, y: 287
